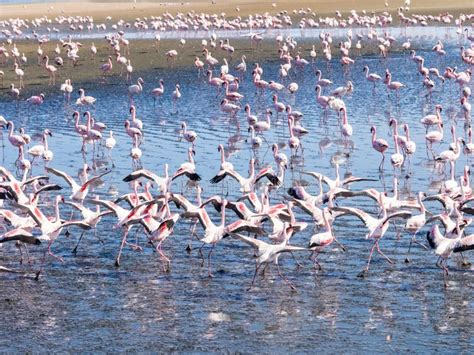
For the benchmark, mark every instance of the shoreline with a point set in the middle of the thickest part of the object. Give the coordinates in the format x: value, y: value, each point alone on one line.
x: 131, y: 10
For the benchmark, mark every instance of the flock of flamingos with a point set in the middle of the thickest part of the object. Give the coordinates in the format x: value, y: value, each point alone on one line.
x: 154, y: 206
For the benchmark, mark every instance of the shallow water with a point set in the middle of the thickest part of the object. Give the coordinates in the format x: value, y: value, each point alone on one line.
x: 87, y: 303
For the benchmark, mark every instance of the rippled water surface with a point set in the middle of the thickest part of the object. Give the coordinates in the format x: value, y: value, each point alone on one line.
x: 87, y: 303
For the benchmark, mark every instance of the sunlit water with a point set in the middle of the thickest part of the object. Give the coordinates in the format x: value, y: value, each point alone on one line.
x: 87, y: 303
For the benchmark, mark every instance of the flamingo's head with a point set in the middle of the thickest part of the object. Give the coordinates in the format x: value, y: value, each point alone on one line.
x: 220, y: 148
x: 48, y: 132
x: 372, y: 129
x: 439, y: 107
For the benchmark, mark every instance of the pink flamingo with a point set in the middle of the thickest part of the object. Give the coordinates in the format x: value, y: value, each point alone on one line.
x: 15, y: 139
x: 158, y: 92
x: 393, y: 85
x: 107, y: 67
x: 380, y: 145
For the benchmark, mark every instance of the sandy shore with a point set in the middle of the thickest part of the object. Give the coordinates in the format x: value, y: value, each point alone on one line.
x: 131, y: 10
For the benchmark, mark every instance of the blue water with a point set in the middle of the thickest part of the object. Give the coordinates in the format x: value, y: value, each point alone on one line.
x: 88, y: 304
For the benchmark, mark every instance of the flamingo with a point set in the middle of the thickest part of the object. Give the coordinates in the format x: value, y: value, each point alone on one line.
x: 396, y: 159
x: 176, y: 95
x: 373, y: 78
x: 269, y: 253
x: 135, y: 89
x: 107, y: 67
x: 445, y: 246
x: 212, y: 233
x: 79, y: 191
x: 15, y: 139
x: 85, y: 100
x: 51, y: 69
x: 189, y: 136
x: 40, y: 149
x: 50, y: 229
x: 158, y: 92
x: 321, y: 81
x: 135, y: 122
x: 19, y: 73
x: 393, y: 85
x: 376, y: 227
x: 380, y: 145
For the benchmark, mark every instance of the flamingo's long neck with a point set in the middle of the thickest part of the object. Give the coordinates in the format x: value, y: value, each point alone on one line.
x: 396, y: 143
x: 12, y: 127
x: 252, y: 169
x: 290, y: 127
x: 423, y: 210
x: 374, y: 136
x: 395, y: 128
x: 45, y: 141
x: 344, y: 117
x: 326, y: 223
x: 222, y: 156
x: 281, y: 172
x: 223, y: 216
x: 89, y: 122
x: 58, y: 218
x: 198, y: 197
x: 275, y: 151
